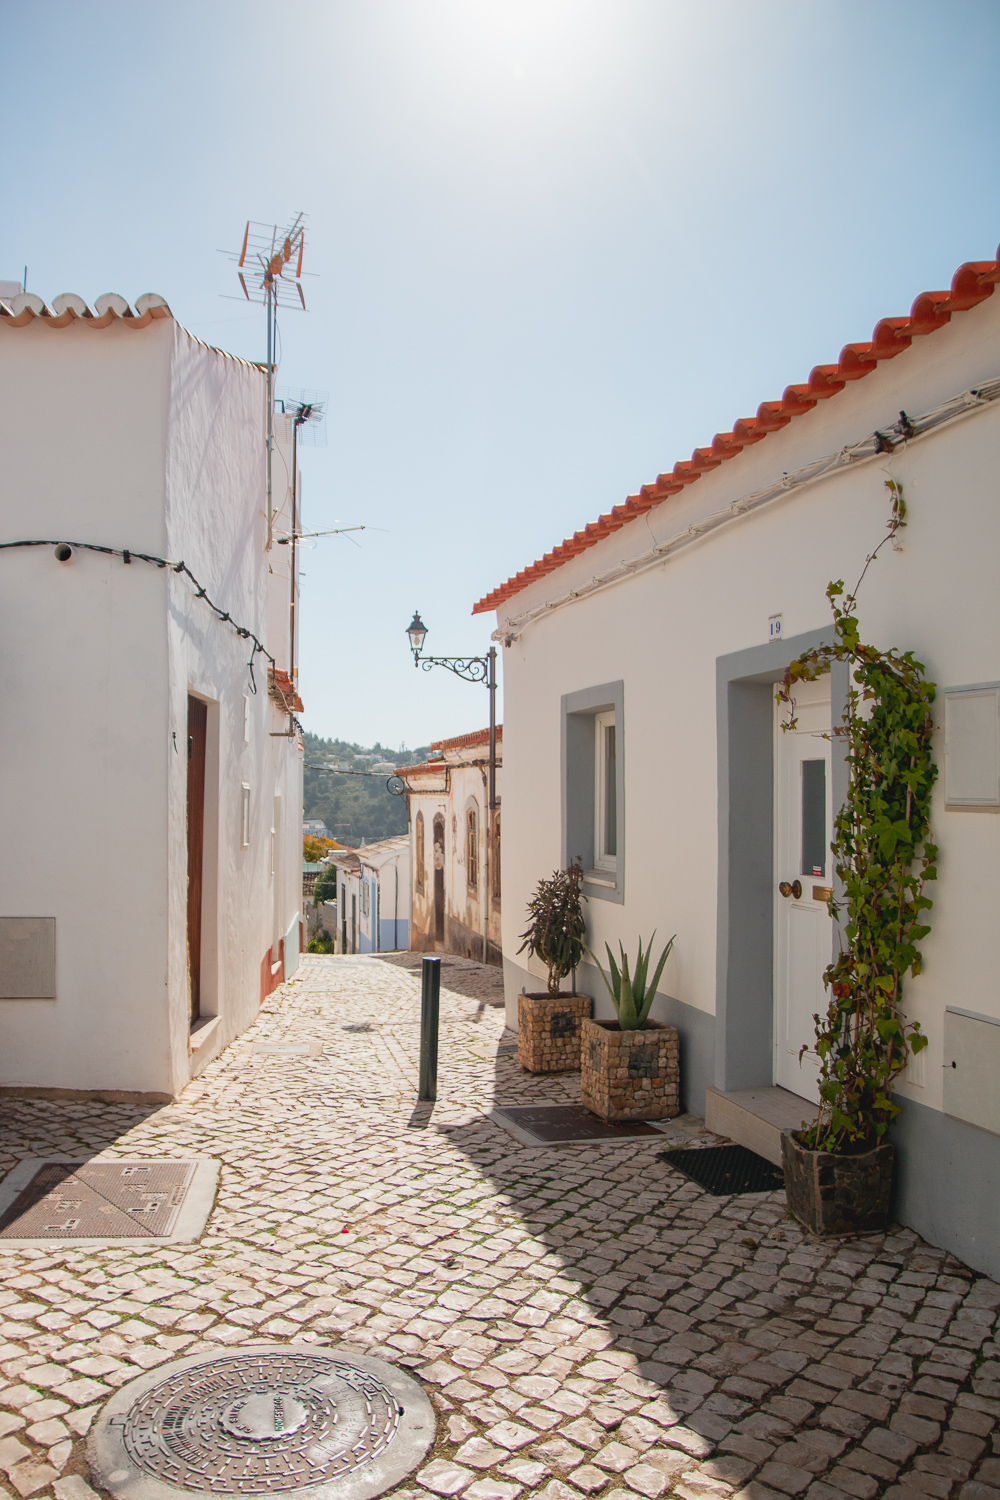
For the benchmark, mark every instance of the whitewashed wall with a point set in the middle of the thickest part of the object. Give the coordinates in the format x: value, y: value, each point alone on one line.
x: 143, y: 439
x: 217, y: 522
x: 463, y: 904
x: 662, y: 630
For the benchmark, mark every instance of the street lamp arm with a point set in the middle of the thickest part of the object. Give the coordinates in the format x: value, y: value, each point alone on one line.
x: 469, y: 668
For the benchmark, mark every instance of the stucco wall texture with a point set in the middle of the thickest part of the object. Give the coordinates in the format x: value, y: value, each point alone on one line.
x: 148, y: 440
x: 464, y: 902
x: 662, y: 630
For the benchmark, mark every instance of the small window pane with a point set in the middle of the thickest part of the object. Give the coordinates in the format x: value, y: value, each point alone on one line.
x: 814, y: 817
x: 610, y: 794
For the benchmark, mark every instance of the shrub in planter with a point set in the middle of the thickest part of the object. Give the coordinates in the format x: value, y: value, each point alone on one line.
x: 631, y: 1066
x: 834, y: 1194
x: 838, y: 1170
x: 548, y: 1024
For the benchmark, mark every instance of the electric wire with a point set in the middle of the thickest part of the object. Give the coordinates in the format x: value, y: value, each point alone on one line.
x: 876, y: 444
x: 128, y: 555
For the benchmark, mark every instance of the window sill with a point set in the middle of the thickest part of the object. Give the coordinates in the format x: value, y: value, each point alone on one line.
x: 601, y: 877
x: 203, y: 1031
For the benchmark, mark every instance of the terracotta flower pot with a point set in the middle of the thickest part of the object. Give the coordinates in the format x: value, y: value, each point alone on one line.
x: 548, y: 1031
x: 630, y: 1075
x: 837, y: 1195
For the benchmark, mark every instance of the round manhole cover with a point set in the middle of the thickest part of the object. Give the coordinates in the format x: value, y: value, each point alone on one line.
x: 268, y: 1419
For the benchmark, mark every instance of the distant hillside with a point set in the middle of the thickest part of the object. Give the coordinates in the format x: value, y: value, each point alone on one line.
x: 355, y: 807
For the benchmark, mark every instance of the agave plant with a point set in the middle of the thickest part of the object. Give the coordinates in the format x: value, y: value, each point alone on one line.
x: 630, y: 994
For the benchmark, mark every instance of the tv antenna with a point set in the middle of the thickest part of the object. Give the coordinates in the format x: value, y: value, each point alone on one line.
x: 269, y: 267
x: 307, y: 410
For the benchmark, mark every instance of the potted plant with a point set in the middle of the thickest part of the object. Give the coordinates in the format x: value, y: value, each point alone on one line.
x: 631, y: 1066
x: 548, y: 1024
x: 838, y: 1171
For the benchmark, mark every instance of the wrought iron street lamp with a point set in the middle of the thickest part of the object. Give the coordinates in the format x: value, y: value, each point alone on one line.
x: 416, y: 630
x: 470, y: 669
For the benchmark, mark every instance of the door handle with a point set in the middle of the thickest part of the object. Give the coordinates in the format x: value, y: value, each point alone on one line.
x: 795, y: 889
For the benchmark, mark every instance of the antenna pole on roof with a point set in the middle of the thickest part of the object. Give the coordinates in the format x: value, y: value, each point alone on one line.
x: 270, y: 412
x: 269, y: 267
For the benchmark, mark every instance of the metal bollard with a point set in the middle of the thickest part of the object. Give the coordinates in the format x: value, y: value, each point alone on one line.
x: 430, y: 1005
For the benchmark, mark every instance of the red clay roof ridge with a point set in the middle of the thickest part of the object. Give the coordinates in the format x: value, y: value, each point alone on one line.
x: 462, y: 741
x: 25, y: 307
x: 971, y: 284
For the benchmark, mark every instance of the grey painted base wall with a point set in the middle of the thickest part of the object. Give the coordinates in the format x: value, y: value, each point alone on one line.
x: 948, y: 1184
x: 947, y: 1172
x: 695, y: 1029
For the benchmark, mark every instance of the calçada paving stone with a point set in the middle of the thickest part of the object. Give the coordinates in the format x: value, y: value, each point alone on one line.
x: 559, y: 1297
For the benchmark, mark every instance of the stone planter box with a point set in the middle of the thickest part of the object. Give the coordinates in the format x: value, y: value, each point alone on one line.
x: 548, y: 1031
x: 630, y: 1075
x: 837, y: 1195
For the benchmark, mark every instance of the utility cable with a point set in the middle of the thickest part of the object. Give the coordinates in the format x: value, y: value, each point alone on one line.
x: 892, y: 439
x: 127, y: 556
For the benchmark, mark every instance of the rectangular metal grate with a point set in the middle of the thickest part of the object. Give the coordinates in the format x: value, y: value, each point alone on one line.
x: 98, y: 1200
x: 571, y: 1122
x: 722, y: 1170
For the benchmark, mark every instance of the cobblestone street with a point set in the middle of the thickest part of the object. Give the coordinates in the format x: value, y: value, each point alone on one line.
x: 587, y: 1321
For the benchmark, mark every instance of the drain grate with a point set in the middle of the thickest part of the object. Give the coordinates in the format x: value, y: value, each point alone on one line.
x: 98, y: 1199
x: 263, y: 1420
x: 86, y: 1201
x: 722, y: 1170
x: 555, y: 1124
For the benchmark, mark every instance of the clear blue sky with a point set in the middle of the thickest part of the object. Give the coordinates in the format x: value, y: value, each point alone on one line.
x: 558, y: 244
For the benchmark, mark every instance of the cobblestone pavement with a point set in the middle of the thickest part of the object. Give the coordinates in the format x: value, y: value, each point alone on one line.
x: 589, y: 1323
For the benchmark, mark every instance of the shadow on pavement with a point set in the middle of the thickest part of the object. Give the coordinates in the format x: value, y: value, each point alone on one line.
x: 671, y: 1325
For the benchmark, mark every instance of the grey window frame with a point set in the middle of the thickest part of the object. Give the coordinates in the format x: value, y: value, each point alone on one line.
x: 952, y: 802
x: 472, y: 863
x: 578, y: 783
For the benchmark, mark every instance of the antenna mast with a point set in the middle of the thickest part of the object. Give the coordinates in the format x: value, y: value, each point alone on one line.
x: 269, y: 266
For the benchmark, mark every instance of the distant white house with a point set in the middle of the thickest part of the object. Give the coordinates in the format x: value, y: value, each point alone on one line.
x: 151, y: 776
x: 373, y: 896
x: 455, y: 854
x: 315, y: 828
x: 641, y: 735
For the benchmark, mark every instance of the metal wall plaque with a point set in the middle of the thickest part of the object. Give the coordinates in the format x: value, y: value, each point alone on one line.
x: 267, y: 1419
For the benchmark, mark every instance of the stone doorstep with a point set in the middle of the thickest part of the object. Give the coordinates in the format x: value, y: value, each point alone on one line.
x: 755, y: 1118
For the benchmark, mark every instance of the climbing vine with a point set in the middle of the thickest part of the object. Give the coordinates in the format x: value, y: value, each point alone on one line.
x: 883, y: 858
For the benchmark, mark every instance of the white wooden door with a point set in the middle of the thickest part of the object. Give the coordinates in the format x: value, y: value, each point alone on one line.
x: 803, y: 935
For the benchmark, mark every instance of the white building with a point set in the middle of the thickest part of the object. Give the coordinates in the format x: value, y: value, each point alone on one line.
x: 150, y: 778
x: 373, y: 896
x: 641, y: 733
x: 315, y: 828
x: 455, y: 854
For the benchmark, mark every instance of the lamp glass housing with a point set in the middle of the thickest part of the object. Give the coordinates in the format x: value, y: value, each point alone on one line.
x: 416, y: 630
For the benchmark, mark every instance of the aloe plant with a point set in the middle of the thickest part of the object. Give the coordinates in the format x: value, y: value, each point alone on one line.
x: 630, y: 994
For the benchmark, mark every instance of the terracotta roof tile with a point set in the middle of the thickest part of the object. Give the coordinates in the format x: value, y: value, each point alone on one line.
x: 18, y: 311
x: 463, y: 741
x: 971, y: 284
